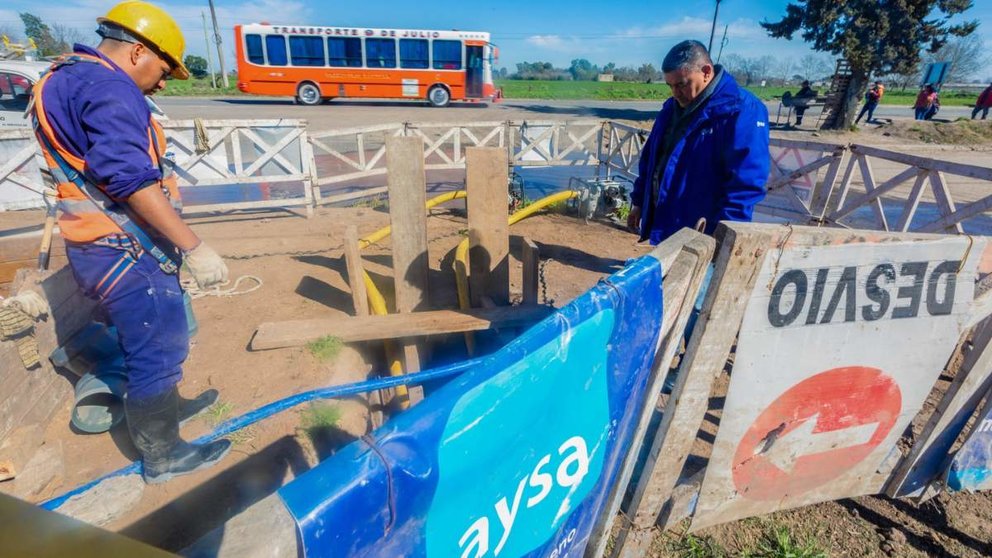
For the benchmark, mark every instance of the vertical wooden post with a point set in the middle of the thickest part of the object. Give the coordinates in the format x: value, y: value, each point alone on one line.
x: 407, y: 197
x: 531, y: 257
x: 486, y: 183
x: 356, y: 273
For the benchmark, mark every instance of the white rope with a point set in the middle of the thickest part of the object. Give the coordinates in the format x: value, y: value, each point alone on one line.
x: 189, y: 285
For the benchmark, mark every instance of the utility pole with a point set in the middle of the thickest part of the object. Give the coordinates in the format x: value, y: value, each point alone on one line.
x: 220, y: 51
x: 210, y: 58
x: 723, y: 43
x: 716, y: 12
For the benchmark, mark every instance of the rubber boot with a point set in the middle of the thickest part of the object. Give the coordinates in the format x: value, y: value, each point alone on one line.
x: 189, y: 408
x: 154, y: 427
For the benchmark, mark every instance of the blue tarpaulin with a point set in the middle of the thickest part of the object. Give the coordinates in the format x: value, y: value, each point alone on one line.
x: 515, y: 457
x: 971, y: 468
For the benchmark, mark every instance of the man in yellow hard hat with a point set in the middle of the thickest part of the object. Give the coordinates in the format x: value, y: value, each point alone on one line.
x: 120, y: 217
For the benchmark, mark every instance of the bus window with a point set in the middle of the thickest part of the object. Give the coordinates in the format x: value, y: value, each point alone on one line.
x: 447, y: 55
x: 255, y: 53
x: 275, y: 47
x: 380, y: 53
x: 307, y: 51
x: 413, y: 54
x: 344, y: 52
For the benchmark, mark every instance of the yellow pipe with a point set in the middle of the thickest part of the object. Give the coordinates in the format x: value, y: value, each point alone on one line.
x: 461, y: 252
x: 387, y: 230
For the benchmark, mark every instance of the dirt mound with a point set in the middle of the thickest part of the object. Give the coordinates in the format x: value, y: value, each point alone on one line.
x: 959, y: 132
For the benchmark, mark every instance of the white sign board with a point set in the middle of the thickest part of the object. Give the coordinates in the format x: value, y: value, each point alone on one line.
x: 838, y: 350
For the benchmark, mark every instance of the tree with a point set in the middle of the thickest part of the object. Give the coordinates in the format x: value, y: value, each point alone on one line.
x: 583, y: 70
x: 36, y: 29
x: 647, y: 73
x: 967, y: 56
x: 609, y: 68
x: 874, y: 37
x: 814, y: 67
x: 65, y: 37
x: 197, y: 65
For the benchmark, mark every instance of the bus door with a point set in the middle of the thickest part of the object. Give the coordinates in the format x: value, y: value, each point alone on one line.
x: 474, y: 75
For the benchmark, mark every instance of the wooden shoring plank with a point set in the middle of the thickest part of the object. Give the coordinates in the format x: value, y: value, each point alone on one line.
x: 531, y: 258
x: 945, y: 203
x: 822, y: 192
x: 488, y: 230
x: 356, y: 272
x: 874, y: 194
x: 868, y: 176
x: 682, y: 282
x: 909, y: 209
x: 352, y: 329
x: 734, y: 276
x: 407, y: 185
x: 961, y: 399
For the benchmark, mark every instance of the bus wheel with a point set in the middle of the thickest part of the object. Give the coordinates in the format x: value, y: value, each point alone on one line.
x: 438, y: 96
x: 308, y: 94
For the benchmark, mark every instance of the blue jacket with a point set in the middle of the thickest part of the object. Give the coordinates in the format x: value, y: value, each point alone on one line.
x: 717, y: 169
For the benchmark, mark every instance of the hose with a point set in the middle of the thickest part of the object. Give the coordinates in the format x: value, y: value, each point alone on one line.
x: 266, y: 411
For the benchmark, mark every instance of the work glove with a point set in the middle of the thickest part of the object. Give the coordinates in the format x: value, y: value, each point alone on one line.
x: 28, y: 302
x: 206, y: 266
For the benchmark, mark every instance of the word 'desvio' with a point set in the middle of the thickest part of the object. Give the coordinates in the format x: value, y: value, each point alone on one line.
x: 890, y: 290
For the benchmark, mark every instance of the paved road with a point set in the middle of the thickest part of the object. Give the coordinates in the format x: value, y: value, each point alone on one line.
x: 347, y: 113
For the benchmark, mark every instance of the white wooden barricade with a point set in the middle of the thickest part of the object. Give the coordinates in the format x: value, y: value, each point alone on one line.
x: 272, y: 155
x: 21, y: 186
x: 885, y: 205
x: 343, y: 158
x: 220, y: 165
x: 840, y: 337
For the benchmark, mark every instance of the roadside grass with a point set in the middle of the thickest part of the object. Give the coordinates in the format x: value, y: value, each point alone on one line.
x: 583, y: 90
x: 625, y: 91
x: 318, y: 419
x: 779, y: 542
x: 325, y: 348
x: 218, y: 413
x: 195, y: 87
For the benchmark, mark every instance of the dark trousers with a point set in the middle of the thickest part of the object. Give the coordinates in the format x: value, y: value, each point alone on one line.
x: 870, y: 109
x: 984, y: 111
x: 147, y: 307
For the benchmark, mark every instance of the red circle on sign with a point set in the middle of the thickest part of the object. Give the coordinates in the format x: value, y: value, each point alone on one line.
x: 815, y: 432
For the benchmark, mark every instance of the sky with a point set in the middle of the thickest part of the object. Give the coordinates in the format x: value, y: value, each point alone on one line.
x: 626, y: 32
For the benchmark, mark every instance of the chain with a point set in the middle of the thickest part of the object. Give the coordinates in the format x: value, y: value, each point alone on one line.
x: 287, y: 253
x: 544, y: 282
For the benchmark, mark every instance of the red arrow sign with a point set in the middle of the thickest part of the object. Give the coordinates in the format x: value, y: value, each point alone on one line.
x: 815, y: 432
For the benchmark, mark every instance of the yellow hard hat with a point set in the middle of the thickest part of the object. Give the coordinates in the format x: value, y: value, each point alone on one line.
x: 154, y: 26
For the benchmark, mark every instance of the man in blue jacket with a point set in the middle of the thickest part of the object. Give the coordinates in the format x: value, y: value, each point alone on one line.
x: 707, y: 155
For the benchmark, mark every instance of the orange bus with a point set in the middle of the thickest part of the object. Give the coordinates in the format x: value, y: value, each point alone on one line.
x: 315, y: 64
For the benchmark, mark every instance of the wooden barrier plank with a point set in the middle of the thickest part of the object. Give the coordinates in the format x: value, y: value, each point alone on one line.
x: 709, y: 346
x: 407, y: 197
x: 356, y: 273
x: 926, y: 459
x: 683, y: 279
x: 488, y: 230
x: 296, y: 333
x: 961, y: 169
x: 531, y: 258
